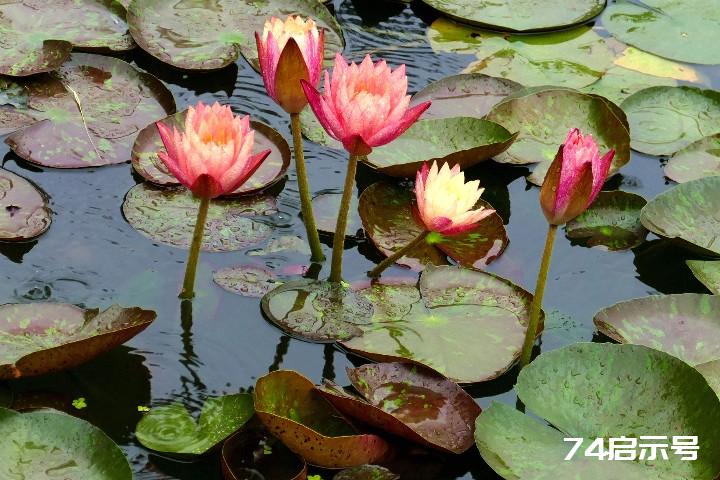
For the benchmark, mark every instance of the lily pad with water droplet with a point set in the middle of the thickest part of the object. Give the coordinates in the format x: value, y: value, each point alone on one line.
x: 171, y: 429
x: 386, y: 213
x: 699, y: 160
x: 247, y: 280
x: 288, y: 405
x: 689, y: 213
x: 664, y: 120
x: 708, y: 272
x: 326, y: 207
x: 464, y: 141
x: 38, y: 35
x: 209, y: 35
x: 612, y: 222
x: 85, y: 114
x: 683, y: 30
x: 317, y: 311
x: 440, y: 323
x: 38, y: 338
x: 590, y: 391
x: 51, y: 444
x: 168, y: 215
x: 24, y: 211
x: 409, y: 401
x: 147, y: 163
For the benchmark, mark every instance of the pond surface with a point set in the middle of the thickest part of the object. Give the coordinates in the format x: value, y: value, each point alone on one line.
x: 91, y: 256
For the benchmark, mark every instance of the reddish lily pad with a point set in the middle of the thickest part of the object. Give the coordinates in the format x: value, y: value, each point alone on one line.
x: 409, y: 401
x: 247, y: 280
x: 317, y: 311
x: 708, y: 272
x: 440, y: 323
x: 366, y: 472
x: 24, y: 212
x: 288, y: 405
x: 684, y: 325
x: 38, y: 35
x: 699, y: 160
x: 326, y: 207
x: 148, y: 144
x: 115, y: 101
x: 40, y: 338
x: 168, y: 216
x: 386, y: 213
x: 465, y: 141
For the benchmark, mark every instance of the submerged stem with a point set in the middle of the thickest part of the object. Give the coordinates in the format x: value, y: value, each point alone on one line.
x: 191, y: 267
x: 536, y: 306
x: 339, y: 238
x: 380, y: 267
x: 304, y: 188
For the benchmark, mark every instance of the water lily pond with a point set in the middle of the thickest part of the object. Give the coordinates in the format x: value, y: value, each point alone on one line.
x: 271, y: 371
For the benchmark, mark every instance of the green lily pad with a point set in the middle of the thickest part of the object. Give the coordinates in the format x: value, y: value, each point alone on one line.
x: 711, y: 372
x: 689, y: 213
x: 386, y: 213
x: 326, y: 207
x: 193, y: 35
x: 172, y: 429
x: 247, y: 280
x: 570, y: 58
x: 618, y: 83
x: 409, y: 401
x: 612, y: 221
x: 591, y: 391
x: 464, y: 95
x: 48, y: 443
x: 683, y: 30
x: 708, y: 272
x: 288, y: 405
x: 440, y: 322
x: 317, y: 311
x: 38, y: 35
x: 465, y: 141
x: 698, y: 160
x: 366, y: 472
x: 24, y: 211
x: 38, y: 338
x: 524, y: 16
x: 168, y: 216
x: 147, y: 163
x: 115, y: 101
x: 664, y: 120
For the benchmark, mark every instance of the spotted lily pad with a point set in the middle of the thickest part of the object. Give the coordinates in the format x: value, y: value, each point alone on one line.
x: 40, y: 338
x: 461, y: 140
x: 612, y: 221
x: 464, y: 95
x: 247, y: 280
x: 618, y: 83
x: 699, y: 160
x: 386, y: 213
x: 209, y: 35
x: 591, y: 391
x: 147, y: 163
x: 664, y: 120
x: 440, y: 323
x: 409, y: 401
x: 366, y: 472
x: 317, y: 311
x: 288, y: 405
x: 24, y: 212
x: 38, y: 35
x: 708, y: 272
x: 172, y: 429
x: 168, y: 216
x: 570, y: 58
x: 48, y: 443
x: 85, y: 114
x: 689, y: 213
x: 683, y: 30
x: 326, y: 207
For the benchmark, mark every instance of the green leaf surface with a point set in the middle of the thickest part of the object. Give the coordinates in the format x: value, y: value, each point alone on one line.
x: 618, y: 83
x: 708, y: 272
x: 698, y: 160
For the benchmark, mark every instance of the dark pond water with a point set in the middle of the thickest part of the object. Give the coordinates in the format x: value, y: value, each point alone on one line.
x: 92, y: 257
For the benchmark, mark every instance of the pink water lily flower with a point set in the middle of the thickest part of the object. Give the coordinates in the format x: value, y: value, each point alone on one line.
x: 364, y: 106
x: 445, y: 202
x: 213, y: 155
x: 288, y: 52
x: 574, y: 179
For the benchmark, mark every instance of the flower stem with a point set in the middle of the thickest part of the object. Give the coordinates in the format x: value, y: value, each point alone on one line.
x: 304, y: 187
x: 339, y: 238
x: 536, y: 306
x: 377, y: 271
x: 191, y: 267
